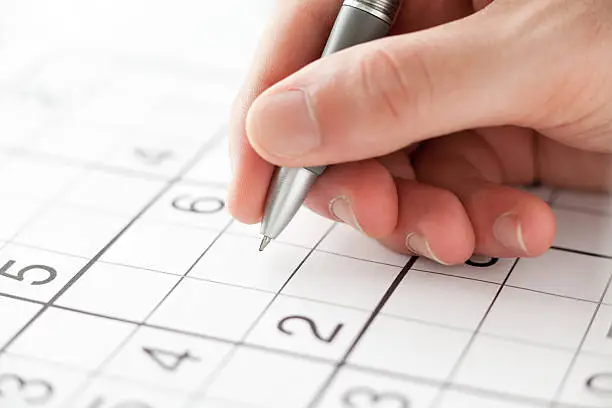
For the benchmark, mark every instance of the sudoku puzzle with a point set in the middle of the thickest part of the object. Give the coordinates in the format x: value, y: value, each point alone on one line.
x: 124, y: 282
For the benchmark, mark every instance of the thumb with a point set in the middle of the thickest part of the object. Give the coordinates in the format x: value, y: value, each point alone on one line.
x: 376, y: 98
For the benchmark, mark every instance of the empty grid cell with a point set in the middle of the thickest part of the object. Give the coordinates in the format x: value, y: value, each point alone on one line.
x: 599, y: 338
x: 37, y: 179
x: 218, y: 403
x: 344, y: 240
x: 342, y: 281
x: 14, y: 315
x: 105, y: 392
x: 192, y: 205
x: 15, y: 213
x: 269, y: 380
x: 211, y: 309
x: 307, y: 327
x: 539, y: 318
x: 160, y: 247
x: 458, y: 399
x: 305, y: 229
x: 184, y: 117
x: 133, y: 293
x: 72, y: 230
x: 113, y: 193
x: 564, y: 273
x: 589, y: 382
x: 411, y: 348
x: 582, y: 200
x: 267, y: 270
x: 354, y: 388
x: 78, y: 141
x: 419, y: 296
x: 71, y: 338
x: 214, y: 166
x: 591, y: 233
x: 168, y: 360
x: 481, y: 268
x: 27, y: 382
x: 22, y: 117
x: 34, y: 273
x: 513, y: 368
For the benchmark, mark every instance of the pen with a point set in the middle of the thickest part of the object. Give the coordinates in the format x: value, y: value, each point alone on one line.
x: 358, y: 21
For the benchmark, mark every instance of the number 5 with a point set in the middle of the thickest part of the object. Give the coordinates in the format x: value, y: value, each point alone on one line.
x: 20, y: 276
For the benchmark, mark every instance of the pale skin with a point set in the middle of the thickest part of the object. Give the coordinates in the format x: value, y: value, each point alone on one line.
x: 428, y: 131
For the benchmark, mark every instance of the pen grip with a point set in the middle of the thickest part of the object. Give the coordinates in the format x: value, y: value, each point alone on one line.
x: 352, y: 27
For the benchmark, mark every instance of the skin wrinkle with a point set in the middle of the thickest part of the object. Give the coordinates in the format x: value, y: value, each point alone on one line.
x: 500, y: 73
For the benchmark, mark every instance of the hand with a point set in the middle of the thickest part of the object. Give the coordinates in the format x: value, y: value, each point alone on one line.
x: 428, y: 130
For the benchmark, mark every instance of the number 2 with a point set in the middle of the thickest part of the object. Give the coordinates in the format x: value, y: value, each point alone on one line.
x: 20, y: 276
x: 373, y: 399
x: 313, y: 327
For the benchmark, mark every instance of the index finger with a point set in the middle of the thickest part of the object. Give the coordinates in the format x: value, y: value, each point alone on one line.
x: 295, y: 36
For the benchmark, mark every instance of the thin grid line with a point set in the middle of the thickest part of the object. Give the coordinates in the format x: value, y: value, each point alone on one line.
x: 201, y: 152
x: 318, y: 398
x: 100, y: 369
x: 556, y: 399
x: 436, y: 402
x: 201, y: 393
x: 192, y: 162
x: 455, y: 276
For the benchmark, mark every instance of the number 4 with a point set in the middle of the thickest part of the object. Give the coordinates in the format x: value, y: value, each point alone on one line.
x: 169, y: 360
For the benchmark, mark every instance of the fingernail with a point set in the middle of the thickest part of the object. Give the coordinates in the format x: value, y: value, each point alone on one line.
x: 340, y: 207
x: 284, y: 124
x: 418, y: 245
x: 507, y: 230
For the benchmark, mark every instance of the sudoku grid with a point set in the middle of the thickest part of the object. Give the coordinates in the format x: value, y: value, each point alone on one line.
x: 124, y: 282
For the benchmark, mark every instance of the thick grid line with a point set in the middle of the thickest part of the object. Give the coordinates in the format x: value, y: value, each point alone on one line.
x: 318, y: 398
x: 338, y: 365
x: 89, y: 264
x: 201, y: 393
x: 555, y: 401
x: 138, y: 324
x: 468, y: 347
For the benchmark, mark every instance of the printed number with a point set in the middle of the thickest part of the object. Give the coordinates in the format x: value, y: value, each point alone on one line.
x: 34, y: 392
x: 100, y: 403
x: 363, y: 397
x: 203, y: 205
x: 600, y: 383
x: 152, y: 156
x: 329, y: 339
x: 169, y: 360
x: 481, y: 263
x: 20, y: 276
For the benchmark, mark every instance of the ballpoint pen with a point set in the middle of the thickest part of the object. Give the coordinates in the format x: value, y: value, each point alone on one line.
x: 358, y: 21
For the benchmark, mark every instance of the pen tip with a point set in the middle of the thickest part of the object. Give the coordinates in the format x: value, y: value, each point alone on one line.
x: 264, y: 243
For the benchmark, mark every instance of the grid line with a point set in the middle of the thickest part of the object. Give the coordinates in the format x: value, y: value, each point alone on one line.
x: 555, y: 401
x: 318, y: 398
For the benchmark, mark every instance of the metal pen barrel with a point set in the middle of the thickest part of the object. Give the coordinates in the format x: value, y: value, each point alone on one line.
x: 358, y: 22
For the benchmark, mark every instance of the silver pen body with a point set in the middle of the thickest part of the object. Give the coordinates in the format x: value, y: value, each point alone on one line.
x: 358, y: 22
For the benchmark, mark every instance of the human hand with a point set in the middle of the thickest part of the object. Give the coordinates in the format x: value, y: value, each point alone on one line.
x: 428, y: 130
